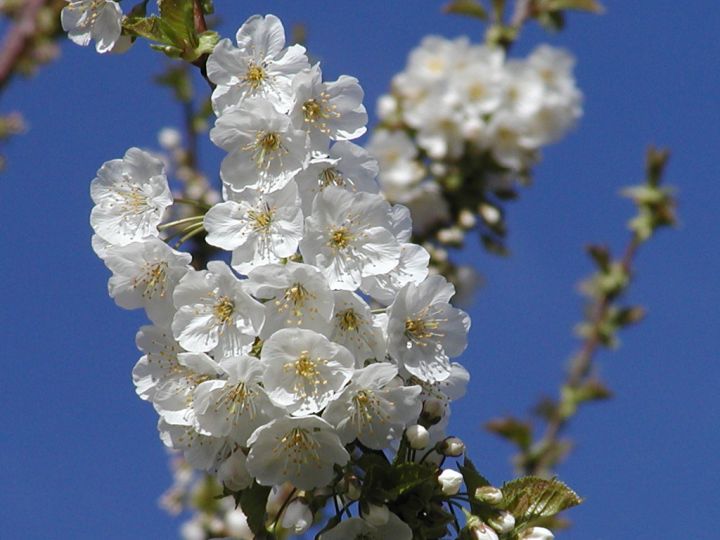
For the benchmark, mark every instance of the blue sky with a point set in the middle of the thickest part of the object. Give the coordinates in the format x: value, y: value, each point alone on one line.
x: 80, y: 454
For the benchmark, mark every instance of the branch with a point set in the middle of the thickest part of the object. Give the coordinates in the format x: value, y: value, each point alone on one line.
x: 17, y: 39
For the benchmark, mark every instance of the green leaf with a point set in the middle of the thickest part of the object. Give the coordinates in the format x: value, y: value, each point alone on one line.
x: 407, y: 476
x: 253, y: 501
x: 468, y: 8
x: 592, y: 6
x: 473, y: 479
x: 552, y: 20
x: 206, y: 42
x: 532, y: 498
x: 513, y: 430
x: 146, y: 27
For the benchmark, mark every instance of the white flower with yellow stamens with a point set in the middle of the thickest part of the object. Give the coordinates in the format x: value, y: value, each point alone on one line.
x: 145, y: 275
x: 200, y: 451
x: 354, y: 327
x: 412, y: 268
x: 304, y: 370
x: 295, y: 296
x: 215, y: 312
x: 347, y: 166
x: 425, y: 331
x: 372, y: 409
x: 302, y: 451
x: 159, y: 361
x: 130, y: 196
x: 100, y: 20
x: 266, y: 151
x: 176, y: 378
x: 236, y: 405
x: 259, y: 228
x: 328, y: 110
x: 349, y: 236
x: 259, y: 66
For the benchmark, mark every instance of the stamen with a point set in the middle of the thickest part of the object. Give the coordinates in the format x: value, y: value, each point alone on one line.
x: 224, y: 309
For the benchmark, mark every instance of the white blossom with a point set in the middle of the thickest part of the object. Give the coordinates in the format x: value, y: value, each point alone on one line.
x: 266, y: 151
x: 302, y: 451
x: 99, y: 20
x: 425, y: 331
x: 397, y: 157
x: 235, y: 405
x: 200, y: 451
x: 412, y: 268
x: 259, y: 66
x: 145, y: 275
x: 347, y: 166
x: 328, y: 110
x: 355, y: 327
x: 214, y: 310
x: 348, y: 236
x: 259, y: 228
x: 233, y: 474
x: 304, y: 370
x: 357, y: 528
x: 372, y: 409
x: 296, y: 296
x: 537, y: 533
x: 130, y: 196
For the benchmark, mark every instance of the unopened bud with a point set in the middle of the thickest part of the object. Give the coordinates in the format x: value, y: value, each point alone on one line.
x: 169, y: 138
x: 452, y: 447
x: 489, y: 495
x: 352, y: 487
x: 451, y: 235
x: 479, y: 530
x: 376, y: 515
x: 417, y: 436
x: 297, y: 517
x: 450, y: 482
x: 537, y: 533
x: 466, y: 219
x: 433, y: 410
x: 489, y: 213
x: 503, y: 523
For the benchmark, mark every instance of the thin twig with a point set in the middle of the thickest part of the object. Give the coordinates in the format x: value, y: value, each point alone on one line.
x: 17, y: 40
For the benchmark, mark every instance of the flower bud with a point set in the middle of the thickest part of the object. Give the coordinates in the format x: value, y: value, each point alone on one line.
x: 433, y: 410
x: 297, y: 517
x: 466, y: 219
x: 503, y: 523
x: 489, y: 495
x: 452, y: 447
x: 352, y: 487
x: 237, y: 525
x: 169, y: 138
x: 450, y: 482
x: 537, y: 533
x: 479, y: 530
x: 489, y: 213
x: 417, y: 436
x: 376, y: 515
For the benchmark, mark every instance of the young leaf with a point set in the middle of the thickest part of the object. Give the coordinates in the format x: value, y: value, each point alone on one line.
x: 592, y: 6
x: 253, y: 501
x: 531, y: 498
x: 469, y: 8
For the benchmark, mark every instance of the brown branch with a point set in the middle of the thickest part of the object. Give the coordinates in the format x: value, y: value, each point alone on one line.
x: 17, y: 40
x: 200, y: 27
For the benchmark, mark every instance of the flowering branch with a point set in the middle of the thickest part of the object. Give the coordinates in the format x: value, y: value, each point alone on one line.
x: 605, y: 317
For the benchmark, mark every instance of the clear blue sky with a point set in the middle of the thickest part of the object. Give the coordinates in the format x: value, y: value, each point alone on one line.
x: 79, y: 452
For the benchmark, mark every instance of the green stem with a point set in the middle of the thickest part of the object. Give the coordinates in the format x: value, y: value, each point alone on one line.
x: 192, y: 232
x: 198, y: 204
x: 180, y: 222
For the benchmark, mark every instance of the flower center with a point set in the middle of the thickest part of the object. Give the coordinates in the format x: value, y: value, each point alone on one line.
x: 223, y: 309
x: 300, y: 446
x: 262, y: 220
x: 340, y: 238
x: 306, y: 367
x: 331, y: 177
x: 349, y: 320
x: 417, y: 329
x: 317, y: 110
x: 153, y: 279
x: 266, y: 148
x: 254, y: 76
x: 239, y: 399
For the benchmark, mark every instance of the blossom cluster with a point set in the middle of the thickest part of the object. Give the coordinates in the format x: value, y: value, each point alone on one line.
x: 463, y: 118
x: 319, y: 329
